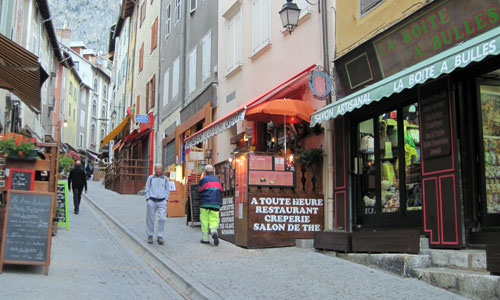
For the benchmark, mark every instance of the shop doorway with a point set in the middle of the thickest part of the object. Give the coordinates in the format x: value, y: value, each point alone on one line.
x: 387, y: 168
x: 488, y: 89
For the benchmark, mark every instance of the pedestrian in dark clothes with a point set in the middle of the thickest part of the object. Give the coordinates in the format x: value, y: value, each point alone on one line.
x: 77, y: 181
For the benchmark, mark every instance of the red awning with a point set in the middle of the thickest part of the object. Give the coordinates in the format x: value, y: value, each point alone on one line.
x: 135, y: 135
x: 238, y: 114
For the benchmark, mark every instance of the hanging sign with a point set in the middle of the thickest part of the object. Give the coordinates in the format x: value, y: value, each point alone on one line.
x: 320, y: 84
x: 141, y: 119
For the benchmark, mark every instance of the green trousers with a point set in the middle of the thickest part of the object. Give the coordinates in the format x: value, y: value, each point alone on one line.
x: 209, y: 222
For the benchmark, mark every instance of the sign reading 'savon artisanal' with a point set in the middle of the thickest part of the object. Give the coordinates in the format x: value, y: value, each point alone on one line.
x: 434, y: 30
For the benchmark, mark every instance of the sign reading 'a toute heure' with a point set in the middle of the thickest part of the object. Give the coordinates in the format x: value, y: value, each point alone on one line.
x: 432, y: 31
x: 286, y: 214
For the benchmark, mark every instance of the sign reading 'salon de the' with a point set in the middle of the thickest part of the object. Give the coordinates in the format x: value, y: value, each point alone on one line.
x: 279, y: 220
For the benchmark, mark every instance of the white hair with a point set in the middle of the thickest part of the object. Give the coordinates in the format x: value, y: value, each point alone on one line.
x: 159, y: 165
x: 209, y: 168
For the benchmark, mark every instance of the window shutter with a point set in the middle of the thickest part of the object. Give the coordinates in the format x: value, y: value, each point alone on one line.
x: 238, y: 39
x: 266, y: 23
x: 166, y: 81
x: 153, y: 91
x: 256, y: 23
x: 137, y: 109
x: 147, y: 97
x: 230, y: 45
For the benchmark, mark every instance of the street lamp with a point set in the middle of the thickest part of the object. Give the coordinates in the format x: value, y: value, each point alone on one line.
x: 289, y: 14
x: 65, y: 123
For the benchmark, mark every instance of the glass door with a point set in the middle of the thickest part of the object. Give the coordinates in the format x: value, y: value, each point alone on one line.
x: 387, y: 167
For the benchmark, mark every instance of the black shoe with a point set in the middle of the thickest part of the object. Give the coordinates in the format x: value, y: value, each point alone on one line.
x: 216, y: 238
x: 76, y: 212
x: 160, y: 240
x: 150, y: 240
x: 204, y: 242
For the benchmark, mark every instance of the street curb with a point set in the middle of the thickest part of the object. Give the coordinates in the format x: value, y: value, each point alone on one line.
x: 186, y: 285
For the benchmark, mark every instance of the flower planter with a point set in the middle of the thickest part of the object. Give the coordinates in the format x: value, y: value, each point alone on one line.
x: 392, y: 241
x: 336, y: 241
x: 493, y: 259
x: 29, y: 155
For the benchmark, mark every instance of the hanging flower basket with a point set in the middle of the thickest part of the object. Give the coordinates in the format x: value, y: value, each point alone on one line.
x: 16, y: 146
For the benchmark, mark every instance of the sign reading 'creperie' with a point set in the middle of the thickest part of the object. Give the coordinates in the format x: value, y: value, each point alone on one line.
x: 433, y: 31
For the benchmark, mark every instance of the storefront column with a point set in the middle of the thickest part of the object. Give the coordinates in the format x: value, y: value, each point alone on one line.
x: 329, y: 181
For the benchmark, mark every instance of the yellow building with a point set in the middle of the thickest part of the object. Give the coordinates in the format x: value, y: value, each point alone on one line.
x: 359, y: 21
x: 72, y: 99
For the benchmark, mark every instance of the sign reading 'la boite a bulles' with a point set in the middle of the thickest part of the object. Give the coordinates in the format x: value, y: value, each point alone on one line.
x: 433, y: 31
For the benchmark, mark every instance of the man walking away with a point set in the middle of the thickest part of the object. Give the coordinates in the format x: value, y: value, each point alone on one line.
x: 77, y: 180
x: 157, y: 192
x: 210, y: 189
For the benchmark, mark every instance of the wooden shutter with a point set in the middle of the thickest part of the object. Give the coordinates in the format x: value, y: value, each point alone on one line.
x: 138, y: 104
x: 147, y: 97
x: 141, y: 56
x: 153, y: 91
x: 154, y: 35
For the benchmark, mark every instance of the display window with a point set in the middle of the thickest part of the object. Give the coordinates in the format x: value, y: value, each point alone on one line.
x: 490, y: 121
x: 387, y: 163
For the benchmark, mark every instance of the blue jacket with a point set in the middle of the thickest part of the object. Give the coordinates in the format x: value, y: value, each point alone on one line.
x: 210, y: 189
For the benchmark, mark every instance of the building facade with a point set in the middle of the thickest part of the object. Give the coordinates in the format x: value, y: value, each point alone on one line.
x: 415, y: 122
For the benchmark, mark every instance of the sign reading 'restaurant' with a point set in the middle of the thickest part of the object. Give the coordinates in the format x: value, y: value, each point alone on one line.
x: 432, y: 31
x: 295, y: 215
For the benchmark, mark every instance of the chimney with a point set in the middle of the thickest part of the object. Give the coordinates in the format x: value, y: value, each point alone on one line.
x: 64, y: 34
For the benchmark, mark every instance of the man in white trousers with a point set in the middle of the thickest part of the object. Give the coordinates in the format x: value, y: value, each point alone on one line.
x: 157, y: 192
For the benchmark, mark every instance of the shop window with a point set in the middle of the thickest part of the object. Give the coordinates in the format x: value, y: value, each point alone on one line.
x: 388, y: 162
x: 169, y: 153
x: 490, y: 121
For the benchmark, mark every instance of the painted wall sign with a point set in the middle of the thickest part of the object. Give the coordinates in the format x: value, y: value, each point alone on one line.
x: 260, y: 162
x: 320, y: 84
x: 460, y: 56
x: 438, y: 28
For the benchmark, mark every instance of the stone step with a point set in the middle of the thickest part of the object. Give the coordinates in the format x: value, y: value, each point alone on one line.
x: 469, y: 259
x: 399, y: 264
x: 424, y: 243
x: 473, y: 284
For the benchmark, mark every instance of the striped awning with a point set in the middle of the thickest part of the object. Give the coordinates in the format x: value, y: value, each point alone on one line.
x: 20, y: 72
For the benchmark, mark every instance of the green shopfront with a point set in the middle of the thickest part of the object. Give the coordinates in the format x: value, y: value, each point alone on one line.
x: 417, y: 127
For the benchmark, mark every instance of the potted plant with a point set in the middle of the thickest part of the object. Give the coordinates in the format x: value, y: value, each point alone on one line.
x: 16, y: 146
x: 65, y: 164
x: 333, y: 239
x: 390, y: 241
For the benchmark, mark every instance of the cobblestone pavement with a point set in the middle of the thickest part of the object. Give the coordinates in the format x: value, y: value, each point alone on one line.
x: 87, y: 262
x: 231, y: 272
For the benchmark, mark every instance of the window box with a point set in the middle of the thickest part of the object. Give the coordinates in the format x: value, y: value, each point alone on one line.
x: 395, y: 241
x: 335, y: 241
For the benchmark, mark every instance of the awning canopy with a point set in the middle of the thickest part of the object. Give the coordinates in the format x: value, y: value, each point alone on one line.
x: 238, y: 114
x: 115, y: 132
x: 473, y: 50
x: 135, y: 135
x: 20, y: 72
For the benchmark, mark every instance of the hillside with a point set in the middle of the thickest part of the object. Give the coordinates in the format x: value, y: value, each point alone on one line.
x: 89, y: 20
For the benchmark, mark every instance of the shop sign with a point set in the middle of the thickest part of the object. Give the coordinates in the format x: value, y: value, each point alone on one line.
x: 299, y: 216
x: 460, y: 56
x: 433, y: 31
x: 214, y: 130
x: 320, y: 84
x: 226, y: 225
x: 141, y: 119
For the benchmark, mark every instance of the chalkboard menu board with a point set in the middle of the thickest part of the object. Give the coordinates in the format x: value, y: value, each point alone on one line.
x: 62, y: 204
x: 21, y: 179
x: 435, y: 109
x: 26, y: 237
x: 194, y: 204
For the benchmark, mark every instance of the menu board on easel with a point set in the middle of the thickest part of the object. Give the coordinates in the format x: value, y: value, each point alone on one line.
x: 21, y: 179
x: 194, y: 204
x: 26, y: 236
